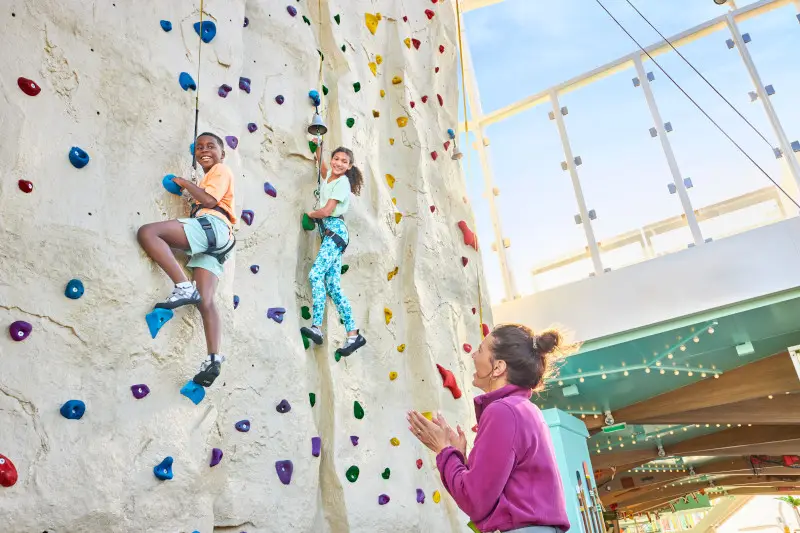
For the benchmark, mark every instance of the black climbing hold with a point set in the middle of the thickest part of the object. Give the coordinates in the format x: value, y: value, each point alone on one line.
x: 171, y: 187
x: 338, y: 19
x: 140, y: 391
x: 187, y: 82
x: 305, y: 312
x: 216, y: 457
x: 166, y: 25
x: 270, y: 190
x: 254, y: 269
x: 247, y: 216
x: 321, y: 55
x: 78, y: 157
x: 283, y: 407
x: 74, y: 289
x: 316, y: 446
x: 206, y: 31
x: 194, y: 391
x: 235, y: 301
x: 252, y: 127
x: 246, y: 22
x: 312, y: 398
x: 344, y: 49
x: 224, y: 89
x: 19, y: 330
x: 242, y: 426
x: 280, y: 99
x: 352, y: 474
x: 163, y: 470
x: 244, y: 84
x: 73, y: 409
x: 232, y: 141
x: 156, y: 320
x: 292, y: 11
x: 284, y: 470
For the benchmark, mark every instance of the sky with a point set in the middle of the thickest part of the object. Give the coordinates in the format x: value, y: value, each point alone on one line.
x: 521, y: 47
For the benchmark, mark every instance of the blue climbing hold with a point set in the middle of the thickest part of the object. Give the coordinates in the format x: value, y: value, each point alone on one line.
x: 235, y: 301
x: 73, y: 409
x: 254, y: 269
x: 232, y: 141
x: 187, y: 82
x: 170, y: 185
x: 163, y: 470
x: 224, y: 89
x: 247, y: 216
x: 252, y: 127
x: 283, y: 407
x: 206, y: 31
x: 156, y: 320
x: 270, y: 190
x: 78, y: 157
x: 216, y: 457
x: 74, y: 289
x: 276, y: 314
x: 244, y: 84
x: 243, y: 426
x: 191, y: 149
x: 314, y: 95
x: 166, y: 25
x: 451, y: 133
x: 194, y: 392
x: 246, y: 22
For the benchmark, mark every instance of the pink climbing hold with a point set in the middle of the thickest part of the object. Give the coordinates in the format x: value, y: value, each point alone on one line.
x: 29, y: 87
x: 19, y: 330
x: 425, y: 99
x: 485, y: 329
x: 441, y: 48
x: 247, y: 216
x: 464, y: 261
x: 434, y: 155
x: 467, y: 348
x: 232, y: 141
x: 8, y: 472
x: 429, y: 14
x: 469, y: 236
x: 25, y: 186
x: 441, y: 100
x: 292, y: 11
x: 416, y: 43
x: 449, y: 381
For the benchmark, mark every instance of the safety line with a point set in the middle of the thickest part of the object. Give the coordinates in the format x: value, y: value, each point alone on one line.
x: 197, y: 91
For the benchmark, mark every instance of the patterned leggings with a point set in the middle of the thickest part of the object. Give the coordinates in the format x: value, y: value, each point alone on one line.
x: 327, y: 274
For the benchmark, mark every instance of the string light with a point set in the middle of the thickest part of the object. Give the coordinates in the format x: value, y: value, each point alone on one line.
x: 770, y: 396
x: 658, y: 363
x: 702, y: 374
x: 711, y: 330
x: 696, y: 339
x: 716, y: 376
x: 690, y: 373
x: 604, y: 376
x: 662, y: 371
x: 683, y: 347
x: 646, y: 370
x: 626, y: 373
x: 676, y: 372
x: 669, y: 356
x: 582, y: 380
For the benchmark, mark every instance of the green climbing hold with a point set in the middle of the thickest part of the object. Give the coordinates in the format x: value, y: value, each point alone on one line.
x: 306, y: 342
x: 386, y: 473
x: 338, y: 19
x: 352, y: 474
x: 345, y: 268
x: 358, y: 411
x: 305, y: 312
x: 305, y: 19
x: 357, y: 86
x: 344, y: 49
x: 312, y: 398
x: 337, y: 356
x: 312, y: 146
x: 308, y: 224
x: 350, y: 122
x: 321, y: 55
x: 324, y: 90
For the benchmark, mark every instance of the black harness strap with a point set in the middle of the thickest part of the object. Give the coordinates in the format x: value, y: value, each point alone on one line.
x: 212, y: 250
x: 335, y: 237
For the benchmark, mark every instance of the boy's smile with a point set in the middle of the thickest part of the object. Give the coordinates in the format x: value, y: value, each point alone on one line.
x: 208, y: 152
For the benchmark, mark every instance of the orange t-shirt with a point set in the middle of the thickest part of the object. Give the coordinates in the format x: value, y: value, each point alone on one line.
x: 218, y: 182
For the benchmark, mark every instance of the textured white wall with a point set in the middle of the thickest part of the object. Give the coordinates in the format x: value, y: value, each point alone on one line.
x: 109, y: 79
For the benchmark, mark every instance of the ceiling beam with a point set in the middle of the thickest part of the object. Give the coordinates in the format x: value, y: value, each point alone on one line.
x: 742, y: 466
x: 781, y: 409
x: 754, y: 490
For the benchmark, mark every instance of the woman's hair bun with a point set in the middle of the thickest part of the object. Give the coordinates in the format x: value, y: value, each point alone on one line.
x: 548, y: 341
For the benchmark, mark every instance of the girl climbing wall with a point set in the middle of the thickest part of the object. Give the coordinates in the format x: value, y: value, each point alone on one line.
x: 208, y: 238
x: 326, y: 273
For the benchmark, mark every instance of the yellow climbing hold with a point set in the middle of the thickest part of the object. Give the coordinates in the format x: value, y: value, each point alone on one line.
x: 379, y: 59
x: 390, y: 180
x: 401, y: 348
x: 387, y: 314
x: 378, y: 16
x: 372, y: 22
x: 398, y: 217
x: 373, y: 68
x: 394, y: 201
x: 397, y: 80
x: 383, y: 93
x: 391, y: 141
x: 395, y: 441
x: 436, y: 496
x: 376, y: 113
x: 407, y: 40
x: 389, y: 277
x: 402, y: 121
x: 428, y: 415
x: 392, y: 376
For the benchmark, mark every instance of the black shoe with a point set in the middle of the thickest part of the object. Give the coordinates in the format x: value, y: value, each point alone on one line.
x: 313, y: 333
x: 351, y: 345
x: 209, y: 371
x: 180, y: 297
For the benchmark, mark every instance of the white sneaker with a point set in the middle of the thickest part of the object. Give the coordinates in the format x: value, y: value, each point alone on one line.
x: 313, y: 333
x: 180, y: 296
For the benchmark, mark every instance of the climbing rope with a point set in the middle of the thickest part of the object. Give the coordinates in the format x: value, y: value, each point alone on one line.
x: 197, y: 91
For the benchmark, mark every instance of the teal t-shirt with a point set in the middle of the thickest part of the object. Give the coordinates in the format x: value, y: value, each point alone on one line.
x: 338, y: 189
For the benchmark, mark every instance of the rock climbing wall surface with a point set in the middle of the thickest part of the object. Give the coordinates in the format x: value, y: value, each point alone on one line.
x: 96, y: 107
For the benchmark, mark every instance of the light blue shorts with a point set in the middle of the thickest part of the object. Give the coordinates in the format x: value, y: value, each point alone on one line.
x: 198, y: 242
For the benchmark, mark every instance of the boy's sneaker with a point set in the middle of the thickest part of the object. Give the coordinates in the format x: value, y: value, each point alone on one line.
x: 209, y: 370
x: 351, y: 345
x: 313, y: 333
x: 183, y: 294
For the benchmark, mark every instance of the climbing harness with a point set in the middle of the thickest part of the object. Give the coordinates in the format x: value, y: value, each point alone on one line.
x: 218, y: 253
x: 335, y: 237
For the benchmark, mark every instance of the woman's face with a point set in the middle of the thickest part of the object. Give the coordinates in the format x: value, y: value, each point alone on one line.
x: 486, y: 368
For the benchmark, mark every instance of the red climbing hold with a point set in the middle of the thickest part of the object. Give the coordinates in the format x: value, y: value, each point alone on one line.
x: 473, y: 310
x: 434, y: 1
x: 469, y: 236
x: 429, y: 14
x: 419, y: 464
x: 425, y: 99
x: 434, y: 155
x: 475, y: 428
x: 25, y: 186
x: 441, y: 100
x: 29, y: 87
x: 405, y: 18
x: 485, y: 329
x: 441, y: 48
x: 464, y: 260
x: 433, y: 208
x: 436, y: 70
x: 449, y: 381
x: 467, y: 348
x: 416, y: 43
x: 413, y: 105
x: 446, y: 145
x: 8, y: 472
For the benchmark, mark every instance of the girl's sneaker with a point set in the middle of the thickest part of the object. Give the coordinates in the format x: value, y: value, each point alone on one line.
x: 183, y: 294
x: 351, y: 345
x: 313, y: 333
x: 209, y: 370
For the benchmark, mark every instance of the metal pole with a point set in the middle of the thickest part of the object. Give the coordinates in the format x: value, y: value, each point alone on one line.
x: 594, y: 250
x: 677, y: 179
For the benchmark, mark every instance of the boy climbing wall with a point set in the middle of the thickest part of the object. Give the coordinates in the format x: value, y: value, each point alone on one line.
x: 207, y: 236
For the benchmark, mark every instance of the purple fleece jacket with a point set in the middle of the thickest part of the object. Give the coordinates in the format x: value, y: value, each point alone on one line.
x: 511, y: 479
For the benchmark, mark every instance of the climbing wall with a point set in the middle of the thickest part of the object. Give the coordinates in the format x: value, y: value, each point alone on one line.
x: 96, y: 106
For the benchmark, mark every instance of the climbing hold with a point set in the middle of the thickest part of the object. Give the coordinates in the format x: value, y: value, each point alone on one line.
x: 224, y: 89
x: 312, y: 398
x: 386, y: 473
x: 401, y: 348
x: 74, y: 289
x: 216, y: 457
x: 416, y: 43
x: 352, y: 474
x: 372, y: 22
x: 207, y: 30
x: 449, y: 381
x: 187, y: 82
x: 166, y: 25
x: 306, y: 342
x: 441, y: 100
x: 436, y: 70
x: 485, y: 329
x: 252, y: 127
x: 429, y: 14
x: 392, y: 376
x: 292, y: 11
x: 451, y: 133
x: 376, y: 113
x: 475, y: 428
x: 314, y: 95
x: 397, y: 80
x: 316, y: 446
x: 383, y: 499
x: 73, y: 409
x: 140, y: 391
x: 425, y: 99
x: 413, y: 105
x: 308, y: 224
x: 358, y: 411
x: 276, y: 314
x: 194, y: 391
x: 407, y: 42
x: 390, y: 180
x: 254, y: 269
x: 357, y: 86
x: 324, y: 90
x: 373, y: 67
x: 25, y: 186
x: 473, y: 310
x: 305, y: 312
x: 280, y: 99
x: 345, y: 268
x: 244, y: 84
x: 392, y: 273
x: 156, y: 320
x: 312, y: 146
x: 29, y: 87
x: 419, y: 464
x: 420, y: 495
x: 394, y: 201
x: 379, y: 59
x: 247, y: 216
x: 270, y: 190
x: 398, y: 217
x: 350, y: 122
x: 19, y: 330
x: 235, y: 301
x: 305, y: 19
x: 354, y: 440
x: 232, y: 141
x: 469, y: 236
x: 434, y: 155
x: 383, y: 93
x: 405, y: 18
x: 284, y: 470
x: 246, y: 22
x: 78, y: 157
x: 8, y: 472
x: 428, y: 415
x: 163, y: 470
x: 170, y: 185
x: 436, y: 496
x: 441, y: 48
x: 391, y: 141
x: 464, y: 261
x: 402, y: 121
x: 283, y: 407
x: 338, y: 19
x: 394, y: 441
x: 446, y: 145
x: 387, y: 314
x: 467, y: 348
x: 242, y: 426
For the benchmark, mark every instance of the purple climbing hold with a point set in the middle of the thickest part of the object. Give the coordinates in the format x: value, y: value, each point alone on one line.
x: 20, y: 330
x: 247, y: 216
x: 354, y: 440
x: 276, y: 314
x: 284, y: 470
x: 235, y: 301
x: 232, y: 141
x: 254, y: 269
x: 383, y: 499
x: 316, y: 446
x: 283, y: 407
x: 252, y: 127
x: 224, y: 89
x: 420, y: 496
x: 270, y: 190
x: 244, y: 84
x: 246, y: 22
x: 292, y: 11
x: 242, y: 426
x: 140, y: 391
x: 216, y: 457
x: 280, y: 99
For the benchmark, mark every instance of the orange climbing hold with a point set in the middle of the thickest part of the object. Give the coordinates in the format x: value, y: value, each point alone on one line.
x: 467, y: 348
x: 449, y: 381
x: 397, y: 80
x: 428, y: 13
x: 387, y: 314
x: 469, y: 236
x: 402, y: 121
x: 390, y: 180
x: 398, y: 217
x: 372, y: 22
x: 401, y: 348
x: 393, y: 273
